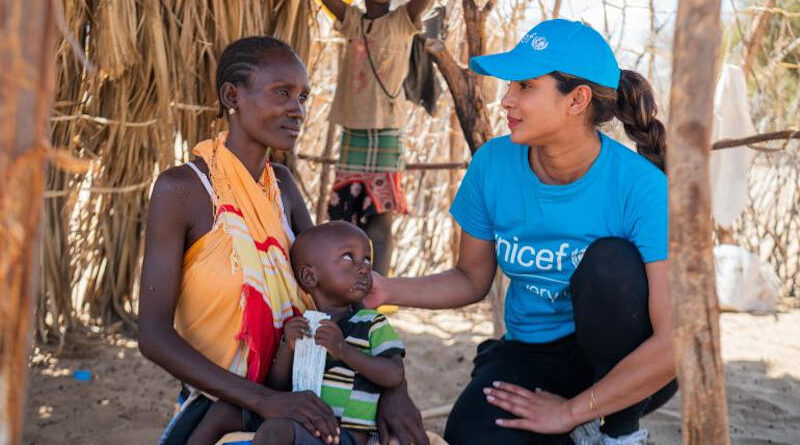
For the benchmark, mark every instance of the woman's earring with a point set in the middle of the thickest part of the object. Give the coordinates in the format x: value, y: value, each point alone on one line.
x: 231, y: 111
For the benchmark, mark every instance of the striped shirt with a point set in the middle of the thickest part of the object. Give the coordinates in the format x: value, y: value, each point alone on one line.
x: 353, y: 398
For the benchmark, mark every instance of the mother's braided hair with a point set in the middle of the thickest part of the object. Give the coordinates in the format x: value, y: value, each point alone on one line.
x: 633, y: 103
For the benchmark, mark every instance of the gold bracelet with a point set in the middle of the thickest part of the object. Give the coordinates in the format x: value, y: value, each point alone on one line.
x: 593, y: 406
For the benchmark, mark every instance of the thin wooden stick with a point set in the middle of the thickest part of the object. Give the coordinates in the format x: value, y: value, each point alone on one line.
x: 781, y: 11
x: 756, y: 138
x: 756, y: 34
x: 556, y: 8
x: 103, y: 121
x: 123, y: 189
x: 695, y: 309
x: 410, y: 166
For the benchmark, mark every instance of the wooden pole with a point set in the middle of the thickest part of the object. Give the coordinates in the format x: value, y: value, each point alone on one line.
x: 465, y: 86
x: 456, y: 152
x: 322, y: 201
x: 456, y: 144
x: 695, y: 310
x: 27, y: 56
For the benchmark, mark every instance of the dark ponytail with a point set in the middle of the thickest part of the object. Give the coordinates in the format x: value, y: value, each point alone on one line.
x: 633, y: 103
x: 636, y: 109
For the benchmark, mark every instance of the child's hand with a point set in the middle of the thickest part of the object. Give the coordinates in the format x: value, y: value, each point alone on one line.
x: 330, y: 336
x: 295, y: 329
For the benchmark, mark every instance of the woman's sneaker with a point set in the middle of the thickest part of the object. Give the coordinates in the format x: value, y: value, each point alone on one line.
x: 587, y: 434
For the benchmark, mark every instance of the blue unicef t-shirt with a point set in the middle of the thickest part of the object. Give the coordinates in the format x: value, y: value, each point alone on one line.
x: 540, y: 231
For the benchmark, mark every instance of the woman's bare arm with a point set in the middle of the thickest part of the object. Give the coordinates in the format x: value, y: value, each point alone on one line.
x: 468, y: 282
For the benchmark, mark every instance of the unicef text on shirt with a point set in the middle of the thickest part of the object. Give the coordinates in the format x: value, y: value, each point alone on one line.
x: 511, y: 252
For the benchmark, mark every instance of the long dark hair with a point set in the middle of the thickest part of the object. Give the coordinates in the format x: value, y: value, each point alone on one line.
x: 241, y: 58
x: 633, y: 103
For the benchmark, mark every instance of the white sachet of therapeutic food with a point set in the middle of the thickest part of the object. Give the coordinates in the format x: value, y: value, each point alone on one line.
x: 309, y: 357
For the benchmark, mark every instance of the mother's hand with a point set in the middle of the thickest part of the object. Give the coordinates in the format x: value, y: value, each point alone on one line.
x: 539, y: 411
x: 398, y: 417
x: 305, y: 408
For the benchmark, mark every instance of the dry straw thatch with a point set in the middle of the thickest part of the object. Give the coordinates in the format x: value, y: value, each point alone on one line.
x: 148, y: 85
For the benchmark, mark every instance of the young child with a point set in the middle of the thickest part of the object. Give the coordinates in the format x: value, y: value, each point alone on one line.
x: 332, y: 262
x: 370, y: 106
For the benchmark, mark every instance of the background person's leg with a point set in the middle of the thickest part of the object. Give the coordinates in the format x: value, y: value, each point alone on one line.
x: 610, y: 300
x: 345, y: 203
x: 379, y: 230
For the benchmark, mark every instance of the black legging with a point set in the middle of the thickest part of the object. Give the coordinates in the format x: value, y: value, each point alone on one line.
x: 610, y: 295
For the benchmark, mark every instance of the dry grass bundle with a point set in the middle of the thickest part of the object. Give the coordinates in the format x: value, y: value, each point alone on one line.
x: 151, y: 89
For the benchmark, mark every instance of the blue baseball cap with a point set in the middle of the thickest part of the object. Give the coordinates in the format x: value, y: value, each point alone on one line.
x: 554, y: 45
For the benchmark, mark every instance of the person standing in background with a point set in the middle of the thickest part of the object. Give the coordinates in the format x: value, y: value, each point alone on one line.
x: 369, y: 105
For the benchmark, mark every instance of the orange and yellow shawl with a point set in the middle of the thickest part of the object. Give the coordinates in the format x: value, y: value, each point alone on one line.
x: 238, y: 287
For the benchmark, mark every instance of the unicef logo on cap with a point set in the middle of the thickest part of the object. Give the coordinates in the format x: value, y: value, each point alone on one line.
x: 538, y: 43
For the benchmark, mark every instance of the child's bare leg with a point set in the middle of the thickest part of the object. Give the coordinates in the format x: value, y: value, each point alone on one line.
x: 221, y: 418
x: 275, y: 432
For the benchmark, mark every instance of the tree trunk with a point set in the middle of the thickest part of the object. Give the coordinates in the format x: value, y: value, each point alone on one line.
x: 456, y: 154
x: 695, y: 310
x: 26, y: 93
x: 464, y: 85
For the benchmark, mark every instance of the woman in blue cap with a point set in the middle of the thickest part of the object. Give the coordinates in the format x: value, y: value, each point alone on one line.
x: 578, y: 222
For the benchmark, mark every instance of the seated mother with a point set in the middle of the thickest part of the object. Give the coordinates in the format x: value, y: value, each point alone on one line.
x: 578, y: 222
x: 216, y: 282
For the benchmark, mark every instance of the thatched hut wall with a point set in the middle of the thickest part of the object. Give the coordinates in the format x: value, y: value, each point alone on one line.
x: 134, y: 89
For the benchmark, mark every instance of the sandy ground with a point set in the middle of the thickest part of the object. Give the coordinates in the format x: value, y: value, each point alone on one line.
x: 129, y: 400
